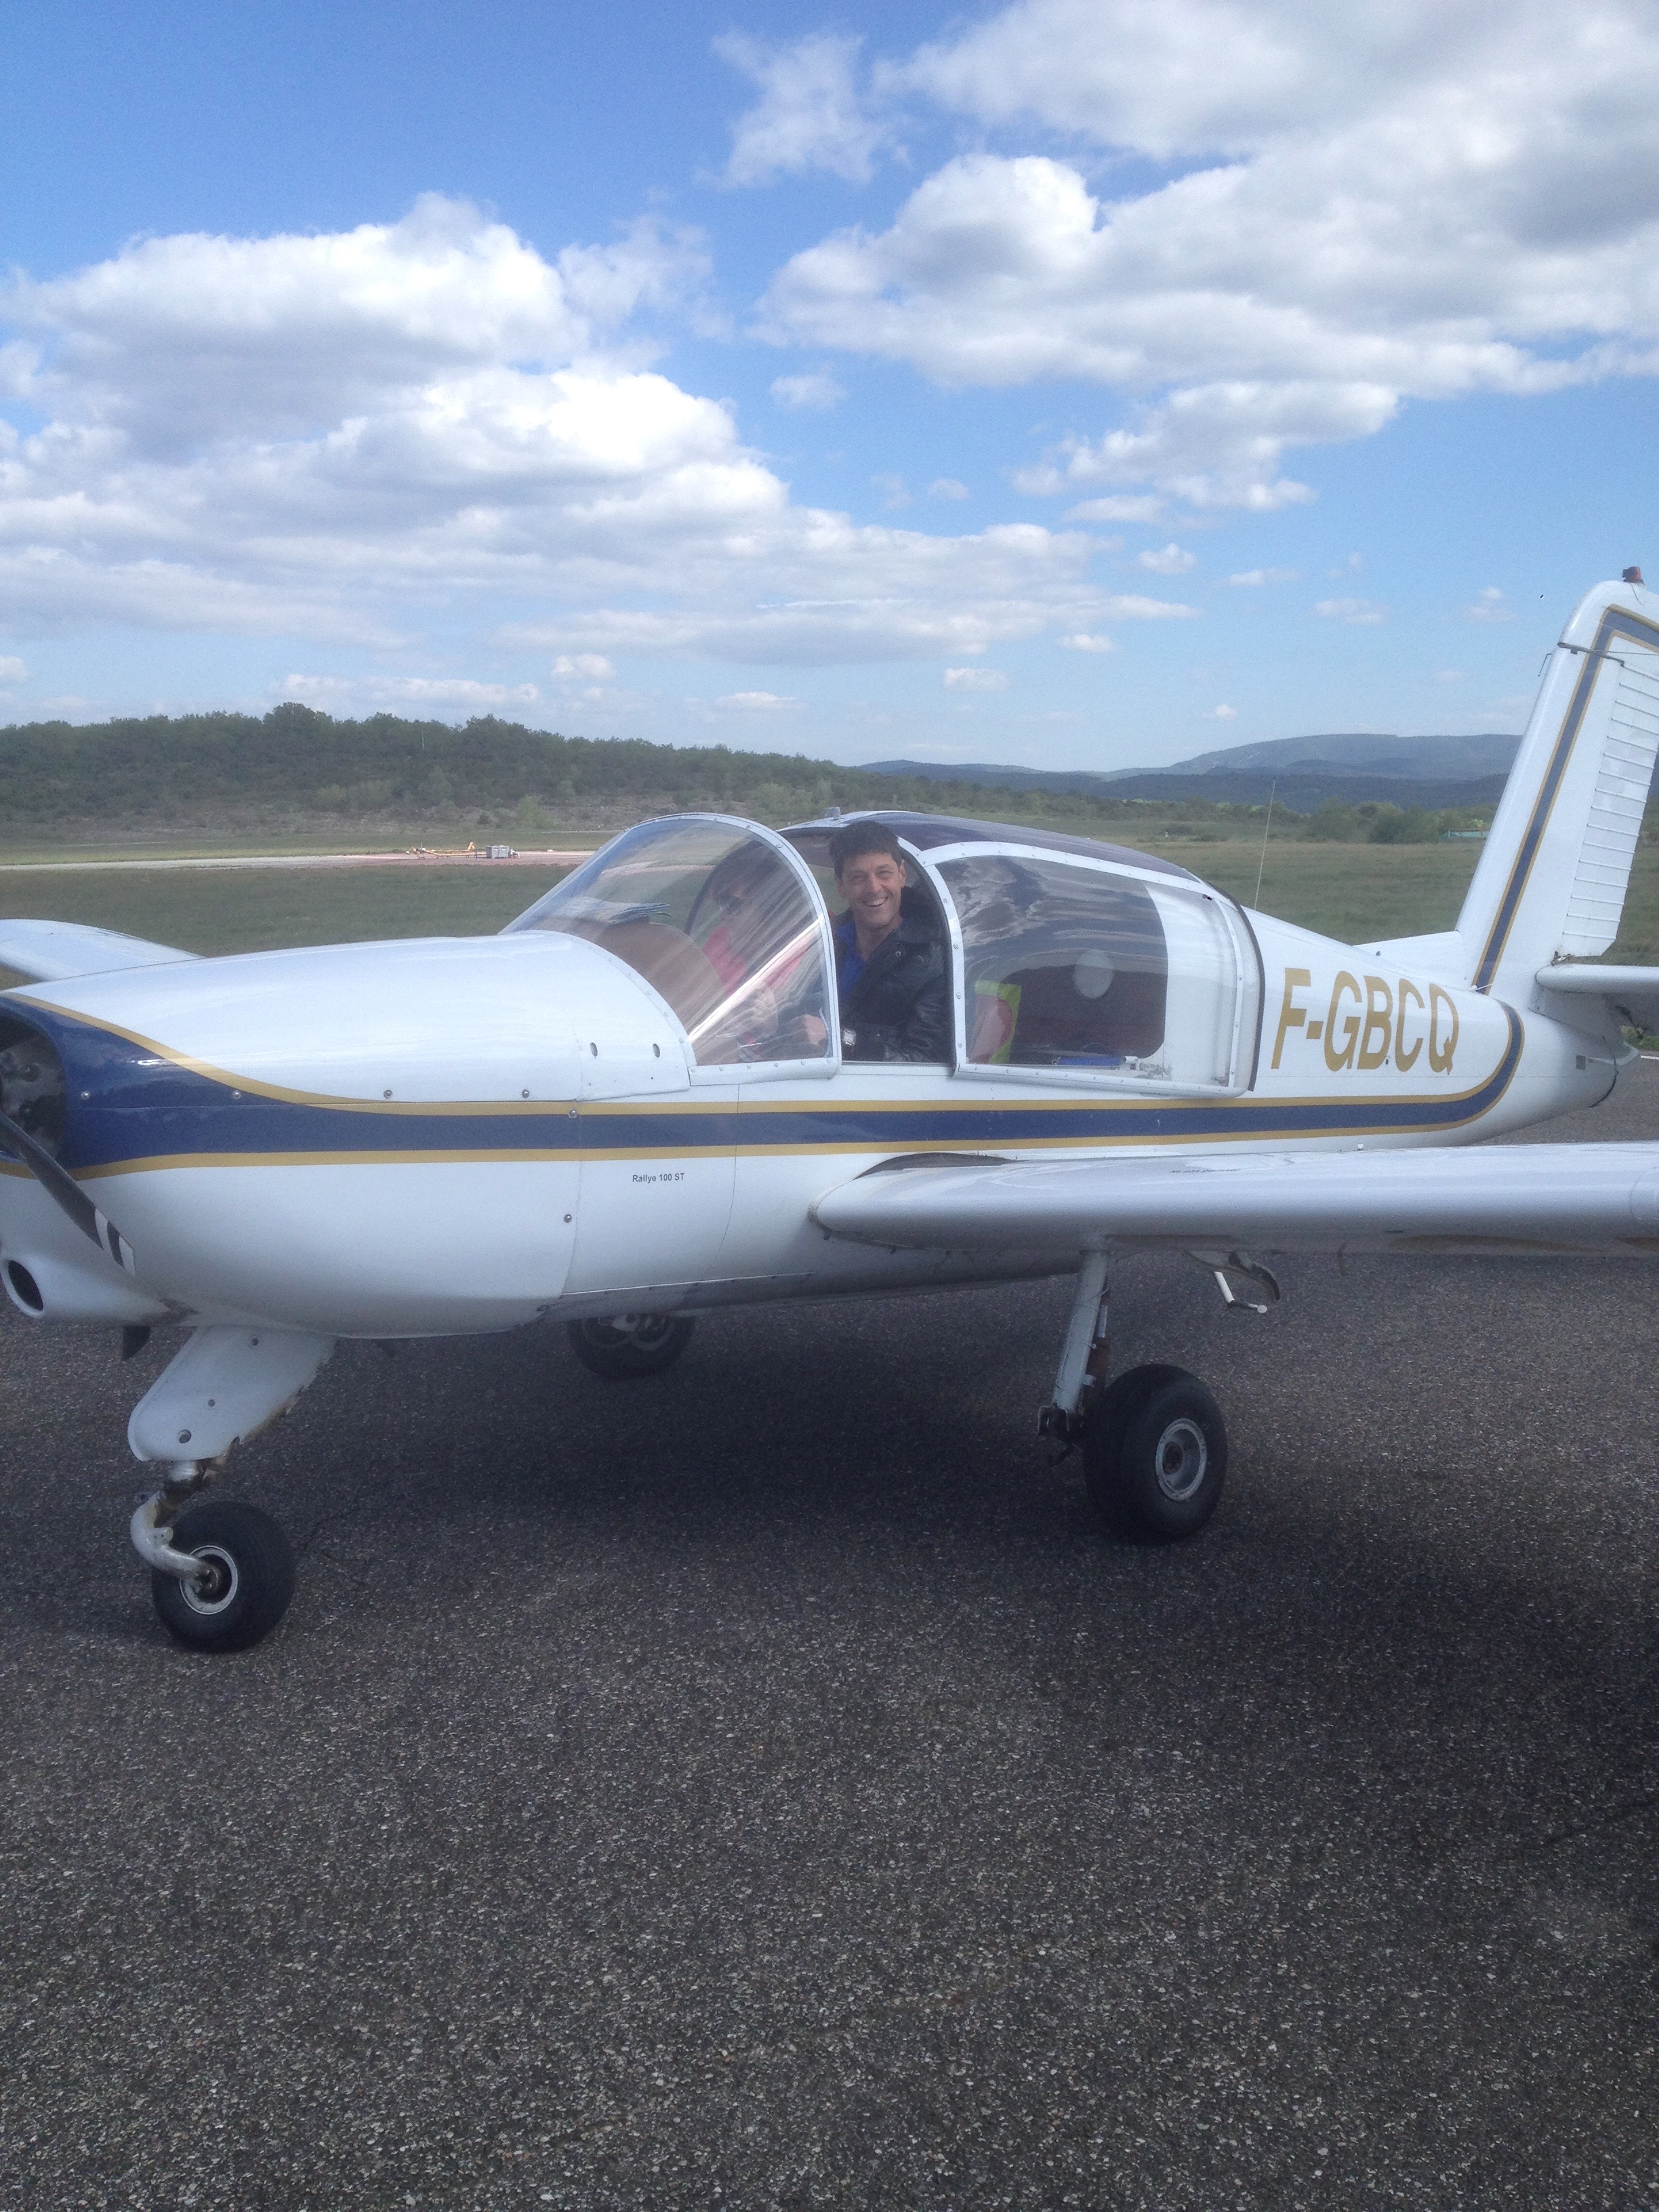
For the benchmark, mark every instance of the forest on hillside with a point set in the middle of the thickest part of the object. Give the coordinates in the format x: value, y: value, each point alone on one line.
x: 264, y: 771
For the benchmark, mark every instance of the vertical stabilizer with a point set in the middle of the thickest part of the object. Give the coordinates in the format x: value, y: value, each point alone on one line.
x: 1554, y: 872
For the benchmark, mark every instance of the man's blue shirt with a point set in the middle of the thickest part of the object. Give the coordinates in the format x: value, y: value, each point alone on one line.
x: 850, y: 962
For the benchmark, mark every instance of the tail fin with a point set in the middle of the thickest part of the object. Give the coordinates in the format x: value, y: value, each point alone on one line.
x: 1553, y: 875
x: 1554, y: 870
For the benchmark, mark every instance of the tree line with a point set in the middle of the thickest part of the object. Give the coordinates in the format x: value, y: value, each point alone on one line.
x: 140, y: 770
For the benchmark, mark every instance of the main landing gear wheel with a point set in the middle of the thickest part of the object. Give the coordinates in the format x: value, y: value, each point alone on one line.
x: 1155, y: 1454
x: 626, y: 1346
x: 245, y: 1582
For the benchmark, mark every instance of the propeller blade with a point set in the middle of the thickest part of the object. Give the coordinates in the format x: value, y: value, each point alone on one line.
x: 60, y: 1184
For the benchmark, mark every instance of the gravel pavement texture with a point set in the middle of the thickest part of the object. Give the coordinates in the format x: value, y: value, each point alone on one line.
x: 766, y: 1785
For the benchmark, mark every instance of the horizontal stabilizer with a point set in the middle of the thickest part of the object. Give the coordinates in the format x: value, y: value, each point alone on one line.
x: 45, y: 951
x: 1508, y: 1199
x: 1630, y: 993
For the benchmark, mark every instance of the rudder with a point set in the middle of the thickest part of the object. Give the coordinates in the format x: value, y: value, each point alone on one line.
x: 1552, y: 878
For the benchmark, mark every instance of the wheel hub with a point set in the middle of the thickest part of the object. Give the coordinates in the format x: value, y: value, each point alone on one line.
x: 646, y: 1330
x: 1181, y: 1459
x: 215, y: 1585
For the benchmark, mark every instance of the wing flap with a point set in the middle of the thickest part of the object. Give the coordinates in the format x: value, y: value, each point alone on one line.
x: 1500, y: 1199
x: 46, y: 951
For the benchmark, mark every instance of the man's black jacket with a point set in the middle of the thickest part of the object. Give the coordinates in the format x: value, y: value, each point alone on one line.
x: 900, y: 1008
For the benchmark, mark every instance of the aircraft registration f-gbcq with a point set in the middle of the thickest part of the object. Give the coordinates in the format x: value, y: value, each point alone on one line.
x: 637, y: 1101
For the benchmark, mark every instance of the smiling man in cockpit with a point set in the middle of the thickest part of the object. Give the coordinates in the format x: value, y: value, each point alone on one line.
x: 890, y: 957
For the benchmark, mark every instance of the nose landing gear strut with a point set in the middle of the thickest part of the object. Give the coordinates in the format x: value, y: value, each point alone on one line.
x: 221, y: 1573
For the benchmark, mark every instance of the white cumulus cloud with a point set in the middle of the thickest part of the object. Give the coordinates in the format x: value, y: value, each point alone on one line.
x: 814, y: 392
x: 1083, y: 640
x: 1170, y: 560
x: 1116, y: 507
x: 1127, y: 606
x: 1351, y: 611
x: 345, y: 436
x: 283, y: 337
x: 582, y: 667
x: 974, y: 679
x: 1371, y: 205
x: 12, y: 670
x: 433, y: 694
x: 757, y: 703
x: 809, y: 116
x: 1489, y: 606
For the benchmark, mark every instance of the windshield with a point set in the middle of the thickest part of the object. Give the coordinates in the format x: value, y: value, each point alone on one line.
x: 715, y: 921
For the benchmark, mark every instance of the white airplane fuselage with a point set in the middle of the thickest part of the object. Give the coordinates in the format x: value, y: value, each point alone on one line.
x: 448, y: 1135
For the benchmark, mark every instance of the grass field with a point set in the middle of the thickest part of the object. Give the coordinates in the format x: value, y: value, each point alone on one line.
x: 247, y: 910
x: 1351, y: 892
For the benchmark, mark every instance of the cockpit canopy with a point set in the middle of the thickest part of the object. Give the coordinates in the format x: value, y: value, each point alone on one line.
x: 1071, y: 961
x: 1075, y: 958
x: 718, y: 921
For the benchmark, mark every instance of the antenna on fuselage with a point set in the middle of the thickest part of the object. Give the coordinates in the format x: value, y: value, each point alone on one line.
x: 1271, y: 790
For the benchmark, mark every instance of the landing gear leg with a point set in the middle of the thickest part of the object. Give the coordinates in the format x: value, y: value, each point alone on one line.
x: 1083, y: 1357
x: 221, y: 1573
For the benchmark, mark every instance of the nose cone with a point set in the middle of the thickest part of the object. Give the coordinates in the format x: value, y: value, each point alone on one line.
x: 375, y: 1139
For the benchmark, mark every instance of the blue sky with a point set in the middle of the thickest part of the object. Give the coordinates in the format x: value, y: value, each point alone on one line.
x: 1074, y: 382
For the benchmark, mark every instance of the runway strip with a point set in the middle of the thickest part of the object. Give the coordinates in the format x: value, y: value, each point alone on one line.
x: 548, y: 860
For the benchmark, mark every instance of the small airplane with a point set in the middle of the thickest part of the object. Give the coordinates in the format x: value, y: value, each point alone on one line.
x: 637, y: 1103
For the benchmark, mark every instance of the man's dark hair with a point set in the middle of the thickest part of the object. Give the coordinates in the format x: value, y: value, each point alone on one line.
x: 860, y: 838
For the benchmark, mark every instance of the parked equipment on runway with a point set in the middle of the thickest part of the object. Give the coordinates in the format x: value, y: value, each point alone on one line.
x: 637, y: 1101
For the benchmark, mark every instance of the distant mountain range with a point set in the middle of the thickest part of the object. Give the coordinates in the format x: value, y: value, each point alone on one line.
x: 1364, y: 753
x: 1347, y: 765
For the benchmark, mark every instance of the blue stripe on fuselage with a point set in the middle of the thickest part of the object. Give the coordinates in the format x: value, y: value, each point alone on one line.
x: 144, y: 1110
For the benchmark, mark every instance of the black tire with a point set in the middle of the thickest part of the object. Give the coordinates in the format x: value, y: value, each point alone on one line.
x: 1155, y: 1455
x: 627, y: 1345
x: 246, y: 1582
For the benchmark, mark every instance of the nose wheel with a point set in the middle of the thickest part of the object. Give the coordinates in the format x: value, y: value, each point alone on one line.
x: 243, y: 1581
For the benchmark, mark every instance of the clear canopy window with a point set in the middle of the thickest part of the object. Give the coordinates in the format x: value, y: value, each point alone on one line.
x: 1081, y: 967
x: 715, y: 921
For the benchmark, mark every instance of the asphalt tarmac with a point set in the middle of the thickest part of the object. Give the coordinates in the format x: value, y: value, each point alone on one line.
x: 765, y: 1785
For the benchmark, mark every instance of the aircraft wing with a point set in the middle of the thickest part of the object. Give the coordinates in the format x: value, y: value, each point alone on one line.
x: 1509, y: 1199
x: 45, y: 951
x: 1631, y: 993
